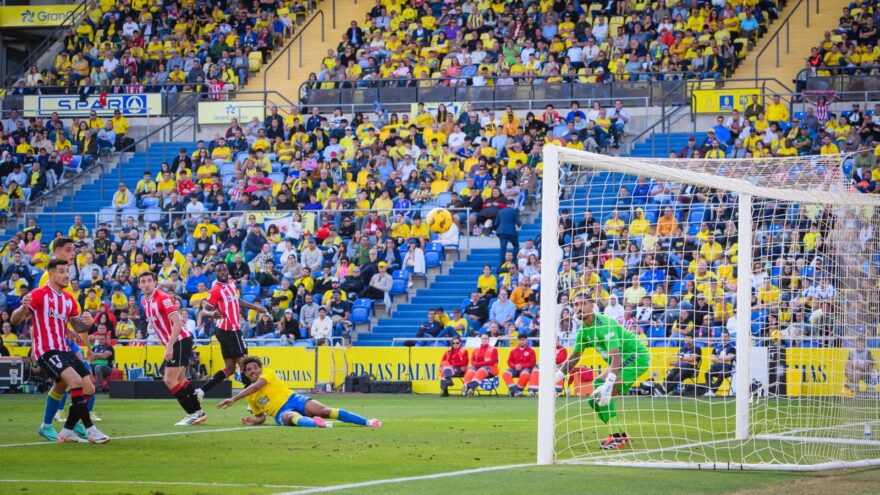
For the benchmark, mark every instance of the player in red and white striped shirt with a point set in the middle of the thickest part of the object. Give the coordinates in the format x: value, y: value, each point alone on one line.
x: 51, y: 308
x: 225, y: 303
x: 162, y: 316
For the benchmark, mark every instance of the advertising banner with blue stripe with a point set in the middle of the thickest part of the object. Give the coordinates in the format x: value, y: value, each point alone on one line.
x: 133, y: 105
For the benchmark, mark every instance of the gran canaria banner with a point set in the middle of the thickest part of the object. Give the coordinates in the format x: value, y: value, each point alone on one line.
x: 35, y: 15
x: 810, y: 372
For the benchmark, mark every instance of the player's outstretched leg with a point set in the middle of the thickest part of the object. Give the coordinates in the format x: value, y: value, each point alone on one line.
x: 293, y: 418
x: 315, y: 408
x: 217, y: 378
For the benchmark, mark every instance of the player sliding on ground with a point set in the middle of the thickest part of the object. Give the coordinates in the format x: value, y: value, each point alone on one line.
x: 163, y: 317
x: 51, y: 308
x: 627, y: 360
x: 267, y: 395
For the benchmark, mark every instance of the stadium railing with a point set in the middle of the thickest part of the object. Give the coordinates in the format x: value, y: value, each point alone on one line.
x: 531, y: 94
x: 298, y: 37
x: 172, y: 103
x: 848, y: 87
x: 18, y: 71
x: 776, y: 38
x: 116, y: 217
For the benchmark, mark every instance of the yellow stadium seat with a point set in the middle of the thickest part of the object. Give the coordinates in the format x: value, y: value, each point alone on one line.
x: 255, y: 61
x: 438, y: 186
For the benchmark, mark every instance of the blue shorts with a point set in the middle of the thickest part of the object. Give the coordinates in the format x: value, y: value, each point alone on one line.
x: 296, y: 402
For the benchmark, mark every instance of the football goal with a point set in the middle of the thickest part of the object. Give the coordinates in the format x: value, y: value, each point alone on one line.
x: 733, y: 303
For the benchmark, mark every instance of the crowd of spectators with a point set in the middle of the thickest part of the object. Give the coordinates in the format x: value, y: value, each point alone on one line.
x: 485, y: 43
x: 312, y: 213
x: 769, y: 130
x: 850, y: 49
x: 36, y: 154
x: 208, y: 47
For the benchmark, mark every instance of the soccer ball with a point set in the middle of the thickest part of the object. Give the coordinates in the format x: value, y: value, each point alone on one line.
x: 439, y: 220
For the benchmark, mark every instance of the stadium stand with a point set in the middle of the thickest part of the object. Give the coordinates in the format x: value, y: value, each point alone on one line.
x: 164, y: 48
x: 468, y: 43
x: 324, y: 164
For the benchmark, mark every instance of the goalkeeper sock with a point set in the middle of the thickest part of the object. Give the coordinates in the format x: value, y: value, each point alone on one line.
x: 614, y: 423
x: 53, y: 405
x: 605, y: 412
x: 348, y: 417
x: 217, y: 378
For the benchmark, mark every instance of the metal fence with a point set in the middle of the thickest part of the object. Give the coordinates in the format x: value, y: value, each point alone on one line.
x: 396, y: 95
x: 312, y: 219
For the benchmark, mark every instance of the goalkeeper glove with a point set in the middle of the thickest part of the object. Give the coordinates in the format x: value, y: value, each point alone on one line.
x: 602, y: 395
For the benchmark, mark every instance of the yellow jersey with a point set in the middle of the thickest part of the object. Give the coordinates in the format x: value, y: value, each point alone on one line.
x: 270, y: 397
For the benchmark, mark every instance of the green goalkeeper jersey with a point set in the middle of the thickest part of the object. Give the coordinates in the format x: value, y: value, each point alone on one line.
x: 606, y: 335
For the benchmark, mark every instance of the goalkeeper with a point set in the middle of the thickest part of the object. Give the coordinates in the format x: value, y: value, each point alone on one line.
x: 627, y: 360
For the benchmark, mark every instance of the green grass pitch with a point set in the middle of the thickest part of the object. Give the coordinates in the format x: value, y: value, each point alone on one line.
x: 420, y: 436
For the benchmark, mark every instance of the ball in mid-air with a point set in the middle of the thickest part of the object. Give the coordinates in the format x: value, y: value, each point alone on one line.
x: 439, y: 220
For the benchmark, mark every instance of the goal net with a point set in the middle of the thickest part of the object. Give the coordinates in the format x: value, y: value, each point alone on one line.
x: 751, y: 292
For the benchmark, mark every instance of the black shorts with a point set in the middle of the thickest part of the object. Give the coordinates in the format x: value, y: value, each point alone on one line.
x: 180, y: 353
x: 232, y: 344
x: 55, y: 362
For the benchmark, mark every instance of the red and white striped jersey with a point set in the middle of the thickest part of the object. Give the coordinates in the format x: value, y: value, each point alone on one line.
x: 51, y: 310
x: 158, y: 310
x: 224, y: 297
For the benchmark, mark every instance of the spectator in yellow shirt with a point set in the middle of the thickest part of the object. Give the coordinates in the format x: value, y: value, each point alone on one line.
x: 487, y: 284
x: 777, y: 112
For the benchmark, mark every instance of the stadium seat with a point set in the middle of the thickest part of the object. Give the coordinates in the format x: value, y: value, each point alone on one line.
x: 360, y: 315
x: 398, y: 287
x: 152, y: 214
x: 432, y: 259
x: 444, y: 198
x: 107, y: 215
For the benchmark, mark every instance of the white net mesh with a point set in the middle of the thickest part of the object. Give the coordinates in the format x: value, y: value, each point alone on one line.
x: 657, y: 244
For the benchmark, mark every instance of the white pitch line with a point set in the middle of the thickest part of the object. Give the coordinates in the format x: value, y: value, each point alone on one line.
x: 130, y: 437
x: 350, y: 486
x: 172, y: 483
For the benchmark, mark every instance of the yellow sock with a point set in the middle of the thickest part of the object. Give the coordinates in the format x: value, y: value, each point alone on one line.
x: 334, y: 413
x: 55, y: 395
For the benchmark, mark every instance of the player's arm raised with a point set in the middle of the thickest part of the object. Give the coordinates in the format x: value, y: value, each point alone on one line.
x: 208, y: 309
x: 22, y: 312
x: 82, y: 322
x: 253, y: 387
x: 246, y: 305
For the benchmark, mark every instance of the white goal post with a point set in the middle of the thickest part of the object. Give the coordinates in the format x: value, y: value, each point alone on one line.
x: 801, y: 305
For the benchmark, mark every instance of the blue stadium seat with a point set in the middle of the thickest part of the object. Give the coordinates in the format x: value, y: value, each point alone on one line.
x: 360, y: 315
x: 444, y: 198
x: 398, y: 287
x: 432, y: 259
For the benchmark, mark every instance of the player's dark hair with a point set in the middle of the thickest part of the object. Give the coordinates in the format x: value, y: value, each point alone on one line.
x: 55, y: 264
x: 61, y: 242
x: 246, y: 360
x: 146, y: 274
